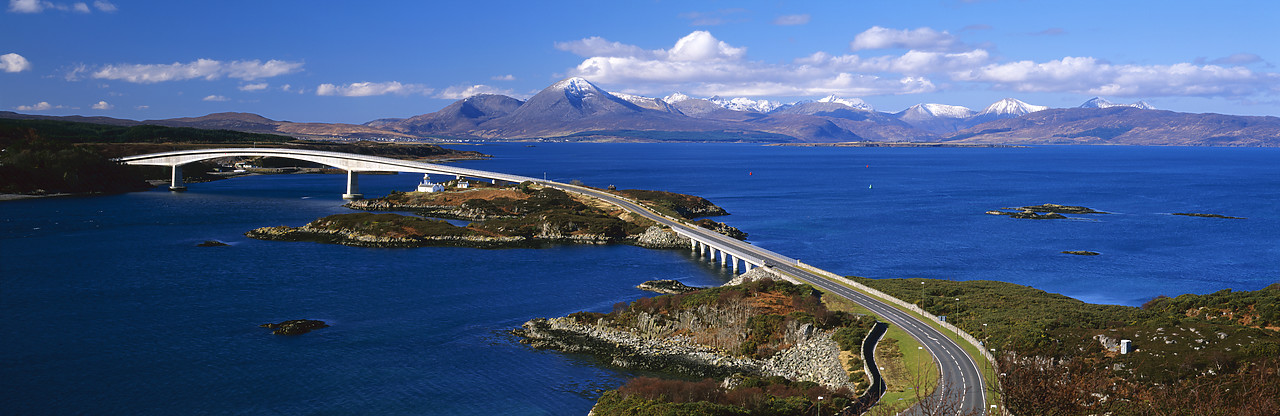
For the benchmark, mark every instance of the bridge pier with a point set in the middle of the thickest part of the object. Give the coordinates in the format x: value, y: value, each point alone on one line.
x: 353, y: 186
x: 175, y: 184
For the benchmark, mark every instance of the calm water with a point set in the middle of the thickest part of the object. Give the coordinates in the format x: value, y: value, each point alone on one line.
x: 111, y: 309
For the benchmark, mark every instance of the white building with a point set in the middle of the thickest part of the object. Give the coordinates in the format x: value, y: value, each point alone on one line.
x: 427, y: 186
x: 463, y: 184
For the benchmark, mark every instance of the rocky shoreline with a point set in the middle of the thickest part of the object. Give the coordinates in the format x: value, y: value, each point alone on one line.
x: 814, y: 355
x: 653, y: 237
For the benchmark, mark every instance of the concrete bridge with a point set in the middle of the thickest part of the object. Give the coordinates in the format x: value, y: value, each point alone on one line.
x: 960, y: 381
x: 352, y: 163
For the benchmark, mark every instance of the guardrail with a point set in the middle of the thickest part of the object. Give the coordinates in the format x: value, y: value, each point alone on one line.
x: 884, y: 296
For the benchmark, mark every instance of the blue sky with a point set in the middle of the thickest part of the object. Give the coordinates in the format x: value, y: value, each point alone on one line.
x: 352, y: 62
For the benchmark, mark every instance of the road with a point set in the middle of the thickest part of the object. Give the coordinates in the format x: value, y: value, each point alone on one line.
x: 961, y: 387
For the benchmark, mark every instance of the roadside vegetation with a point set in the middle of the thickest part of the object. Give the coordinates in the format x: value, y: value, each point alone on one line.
x: 1061, y: 356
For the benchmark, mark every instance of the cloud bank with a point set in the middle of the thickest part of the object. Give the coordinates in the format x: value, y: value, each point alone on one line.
x: 207, y: 69
x: 366, y: 89
x: 933, y: 60
x: 39, y: 6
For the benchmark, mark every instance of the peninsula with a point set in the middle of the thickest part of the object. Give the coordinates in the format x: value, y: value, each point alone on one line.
x: 501, y: 216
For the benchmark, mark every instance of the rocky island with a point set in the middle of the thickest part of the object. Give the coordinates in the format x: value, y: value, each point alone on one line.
x: 520, y: 215
x: 295, y: 326
x: 753, y: 342
x: 1197, y: 214
x: 1044, y: 211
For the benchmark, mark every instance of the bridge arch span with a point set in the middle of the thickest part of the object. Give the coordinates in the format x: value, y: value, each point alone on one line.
x: 352, y: 163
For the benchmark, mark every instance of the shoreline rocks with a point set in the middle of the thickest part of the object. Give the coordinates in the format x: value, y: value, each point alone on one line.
x: 814, y: 357
x: 666, y: 287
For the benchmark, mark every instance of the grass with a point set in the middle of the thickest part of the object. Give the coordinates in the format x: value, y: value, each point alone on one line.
x: 908, y: 344
x: 914, y: 366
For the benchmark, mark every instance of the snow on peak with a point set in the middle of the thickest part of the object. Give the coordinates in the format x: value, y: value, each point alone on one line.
x: 856, y: 103
x: 1012, y: 106
x: 939, y: 111
x: 676, y: 97
x: 745, y: 104
x: 1099, y: 102
x: 577, y: 86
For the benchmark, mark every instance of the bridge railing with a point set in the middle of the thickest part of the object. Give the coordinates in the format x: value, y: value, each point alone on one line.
x: 911, y: 307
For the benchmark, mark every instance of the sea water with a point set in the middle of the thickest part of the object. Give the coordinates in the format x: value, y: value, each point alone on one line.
x: 110, y: 307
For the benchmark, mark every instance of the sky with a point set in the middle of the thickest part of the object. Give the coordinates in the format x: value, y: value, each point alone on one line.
x: 357, y: 61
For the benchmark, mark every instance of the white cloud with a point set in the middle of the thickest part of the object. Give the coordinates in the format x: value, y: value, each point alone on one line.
x: 207, y: 69
x: 507, y: 77
x: 40, y: 106
x: 924, y: 38
x: 1089, y: 75
x: 103, y: 105
x: 792, y: 20
x: 12, y: 62
x: 38, y: 6
x: 26, y: 6
x: 143, y: 107
x: 701, y: 64
x: 365, y: 89
x: 254, y: 87
x: 463, y: 91
x: 215, y: 98
x: 598, y: 46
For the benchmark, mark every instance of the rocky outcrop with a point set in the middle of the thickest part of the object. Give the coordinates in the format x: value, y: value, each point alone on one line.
x: 295, y: 327
x: 1029, y: 215
x: 814, y: 356
x: 212, y: 243
x: 1044, y: 211
x: 1197, y: 214
x: 759, y: 273
x: 463, y: 212
x: 1081, y: 252
x: 722, y: 228
x: 666, y: 287
x: 658, y: 237
x: 356, y: 239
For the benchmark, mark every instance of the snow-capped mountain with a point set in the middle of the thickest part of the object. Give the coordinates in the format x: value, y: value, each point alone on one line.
x: 935, y: 118
x: 745, y: 104
x: 1099, y: 102
x: 929, y: 111
x: 647, y: 102
x: 1011, y: 107
x: 1006, y: 108
x: 856, y: 103
x: 676, y: 97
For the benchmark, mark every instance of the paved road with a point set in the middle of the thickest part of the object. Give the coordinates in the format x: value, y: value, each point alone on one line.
x: 961, y: 385
x: 960, y: 382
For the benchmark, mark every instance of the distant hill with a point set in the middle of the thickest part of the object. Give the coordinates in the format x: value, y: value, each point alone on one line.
x: 1126, y: 125
x: 576, y: 109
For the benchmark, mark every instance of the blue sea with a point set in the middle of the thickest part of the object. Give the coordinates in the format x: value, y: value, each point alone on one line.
x: 110, y: 308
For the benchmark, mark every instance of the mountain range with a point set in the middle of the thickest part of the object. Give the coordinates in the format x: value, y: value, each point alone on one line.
x: 577, y: 109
